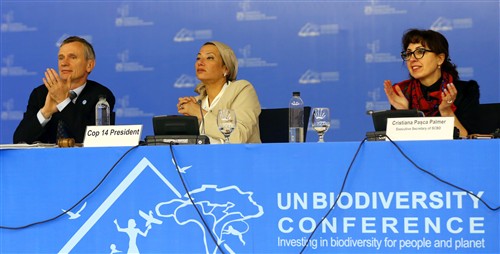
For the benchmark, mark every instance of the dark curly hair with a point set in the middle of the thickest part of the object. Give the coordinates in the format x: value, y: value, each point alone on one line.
x: 435, y: 42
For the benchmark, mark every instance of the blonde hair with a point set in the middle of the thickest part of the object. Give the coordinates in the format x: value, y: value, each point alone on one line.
x: 228, y: 58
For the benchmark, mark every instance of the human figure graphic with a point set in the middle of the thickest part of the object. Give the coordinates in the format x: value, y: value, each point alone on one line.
x: 132, y: 233
x: 113, y: 249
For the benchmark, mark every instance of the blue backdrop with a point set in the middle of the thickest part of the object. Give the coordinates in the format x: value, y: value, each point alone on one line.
x: 337, y: 53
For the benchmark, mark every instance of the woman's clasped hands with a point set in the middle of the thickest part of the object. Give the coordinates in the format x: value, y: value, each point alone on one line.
x: 187, y: 105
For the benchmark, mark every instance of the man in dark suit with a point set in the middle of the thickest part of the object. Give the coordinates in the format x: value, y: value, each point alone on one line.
x: 54, y: 103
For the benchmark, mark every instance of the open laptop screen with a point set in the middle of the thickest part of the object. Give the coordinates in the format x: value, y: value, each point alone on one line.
x: 175, y: 125
x: 380, y: 117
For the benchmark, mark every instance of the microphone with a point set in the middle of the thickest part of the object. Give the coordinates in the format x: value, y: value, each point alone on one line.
x: 202, y: 117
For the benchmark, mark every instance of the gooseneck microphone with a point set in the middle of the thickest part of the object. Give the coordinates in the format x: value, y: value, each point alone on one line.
x: 202, y: 117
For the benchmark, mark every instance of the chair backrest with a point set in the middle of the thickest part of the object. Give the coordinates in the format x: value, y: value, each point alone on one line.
x: 489, y: 118
x: 273, y: 124
x: 113, y: 117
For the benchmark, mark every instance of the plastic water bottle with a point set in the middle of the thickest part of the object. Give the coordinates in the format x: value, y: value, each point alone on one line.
x: 102, y: 112
x: 296, y: 119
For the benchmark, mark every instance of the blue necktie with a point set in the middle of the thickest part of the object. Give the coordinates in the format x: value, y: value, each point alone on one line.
x: 61, y: 127
x: 61, y: 130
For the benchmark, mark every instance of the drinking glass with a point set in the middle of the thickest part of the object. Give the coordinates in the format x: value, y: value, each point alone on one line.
x: 226, y: 121
x: 320, y: 121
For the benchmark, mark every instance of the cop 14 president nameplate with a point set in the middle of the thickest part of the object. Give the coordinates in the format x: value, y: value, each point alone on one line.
x: 112, y: 135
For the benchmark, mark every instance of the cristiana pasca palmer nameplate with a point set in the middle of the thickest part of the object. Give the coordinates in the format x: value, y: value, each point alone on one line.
x: 420, y: 128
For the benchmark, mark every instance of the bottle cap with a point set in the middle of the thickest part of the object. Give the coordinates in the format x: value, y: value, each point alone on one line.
x: 296, y: 93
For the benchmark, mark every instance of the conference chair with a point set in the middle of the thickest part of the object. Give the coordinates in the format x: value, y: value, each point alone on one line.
x: 273, y: 124
x: 489, y: 118
x: 113, y: 118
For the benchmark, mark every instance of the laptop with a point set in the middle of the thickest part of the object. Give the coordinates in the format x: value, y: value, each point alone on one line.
x: 380, y: 117
x: 175, y: 125
x: 380, y: 121
x: 176, y: 129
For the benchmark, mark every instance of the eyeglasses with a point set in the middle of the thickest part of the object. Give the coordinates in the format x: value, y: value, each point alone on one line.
x: 417, y: 53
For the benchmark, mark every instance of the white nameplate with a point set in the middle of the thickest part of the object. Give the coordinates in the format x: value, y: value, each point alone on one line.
x: 112, y: 135
x: 420, y: 128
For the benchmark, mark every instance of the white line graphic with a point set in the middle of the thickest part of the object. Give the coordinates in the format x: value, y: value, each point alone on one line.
x: 120, y: 189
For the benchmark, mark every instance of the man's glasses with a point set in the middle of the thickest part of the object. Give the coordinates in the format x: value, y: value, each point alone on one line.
x: 417, y: 53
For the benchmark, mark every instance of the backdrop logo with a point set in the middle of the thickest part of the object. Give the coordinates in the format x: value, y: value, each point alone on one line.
x: 123, y: 109
x: 377, y: 9
x: 376, y: 57
x: 8, y: 113
x: 124, y: 65
x: 185, y: 81
x: 247, y: 14
x: 227, y: 209
x: 246, y: 59
x: 8, y: 24
x: 125, y: 20
x: 9, y: 69
x: 313, y: 77
x: 444, y: 24
x: 186, y: 35
x: 374, y: 102
x: 311, y: 30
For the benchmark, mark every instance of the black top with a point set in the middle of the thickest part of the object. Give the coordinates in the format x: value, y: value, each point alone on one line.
x: 76, y: 116
x: 467, y: 102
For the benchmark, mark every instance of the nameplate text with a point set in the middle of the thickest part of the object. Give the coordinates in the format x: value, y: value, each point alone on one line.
x: 420, y: 128
x: 112, y: 135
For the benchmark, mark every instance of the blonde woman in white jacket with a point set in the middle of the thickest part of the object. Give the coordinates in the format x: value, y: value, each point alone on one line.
x: 217, y: 67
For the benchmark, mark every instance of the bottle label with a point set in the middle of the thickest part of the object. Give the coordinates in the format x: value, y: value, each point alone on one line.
x: 296, y: 135
x: 102, y: 112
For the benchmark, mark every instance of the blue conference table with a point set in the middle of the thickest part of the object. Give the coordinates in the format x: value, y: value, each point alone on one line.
x: 265, y: 198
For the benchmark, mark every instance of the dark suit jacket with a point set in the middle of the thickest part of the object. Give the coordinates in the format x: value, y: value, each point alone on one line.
x: 467, y: 103
x: 76, y: 116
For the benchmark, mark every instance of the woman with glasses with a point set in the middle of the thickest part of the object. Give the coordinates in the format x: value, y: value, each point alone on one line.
x: 434, y: 86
